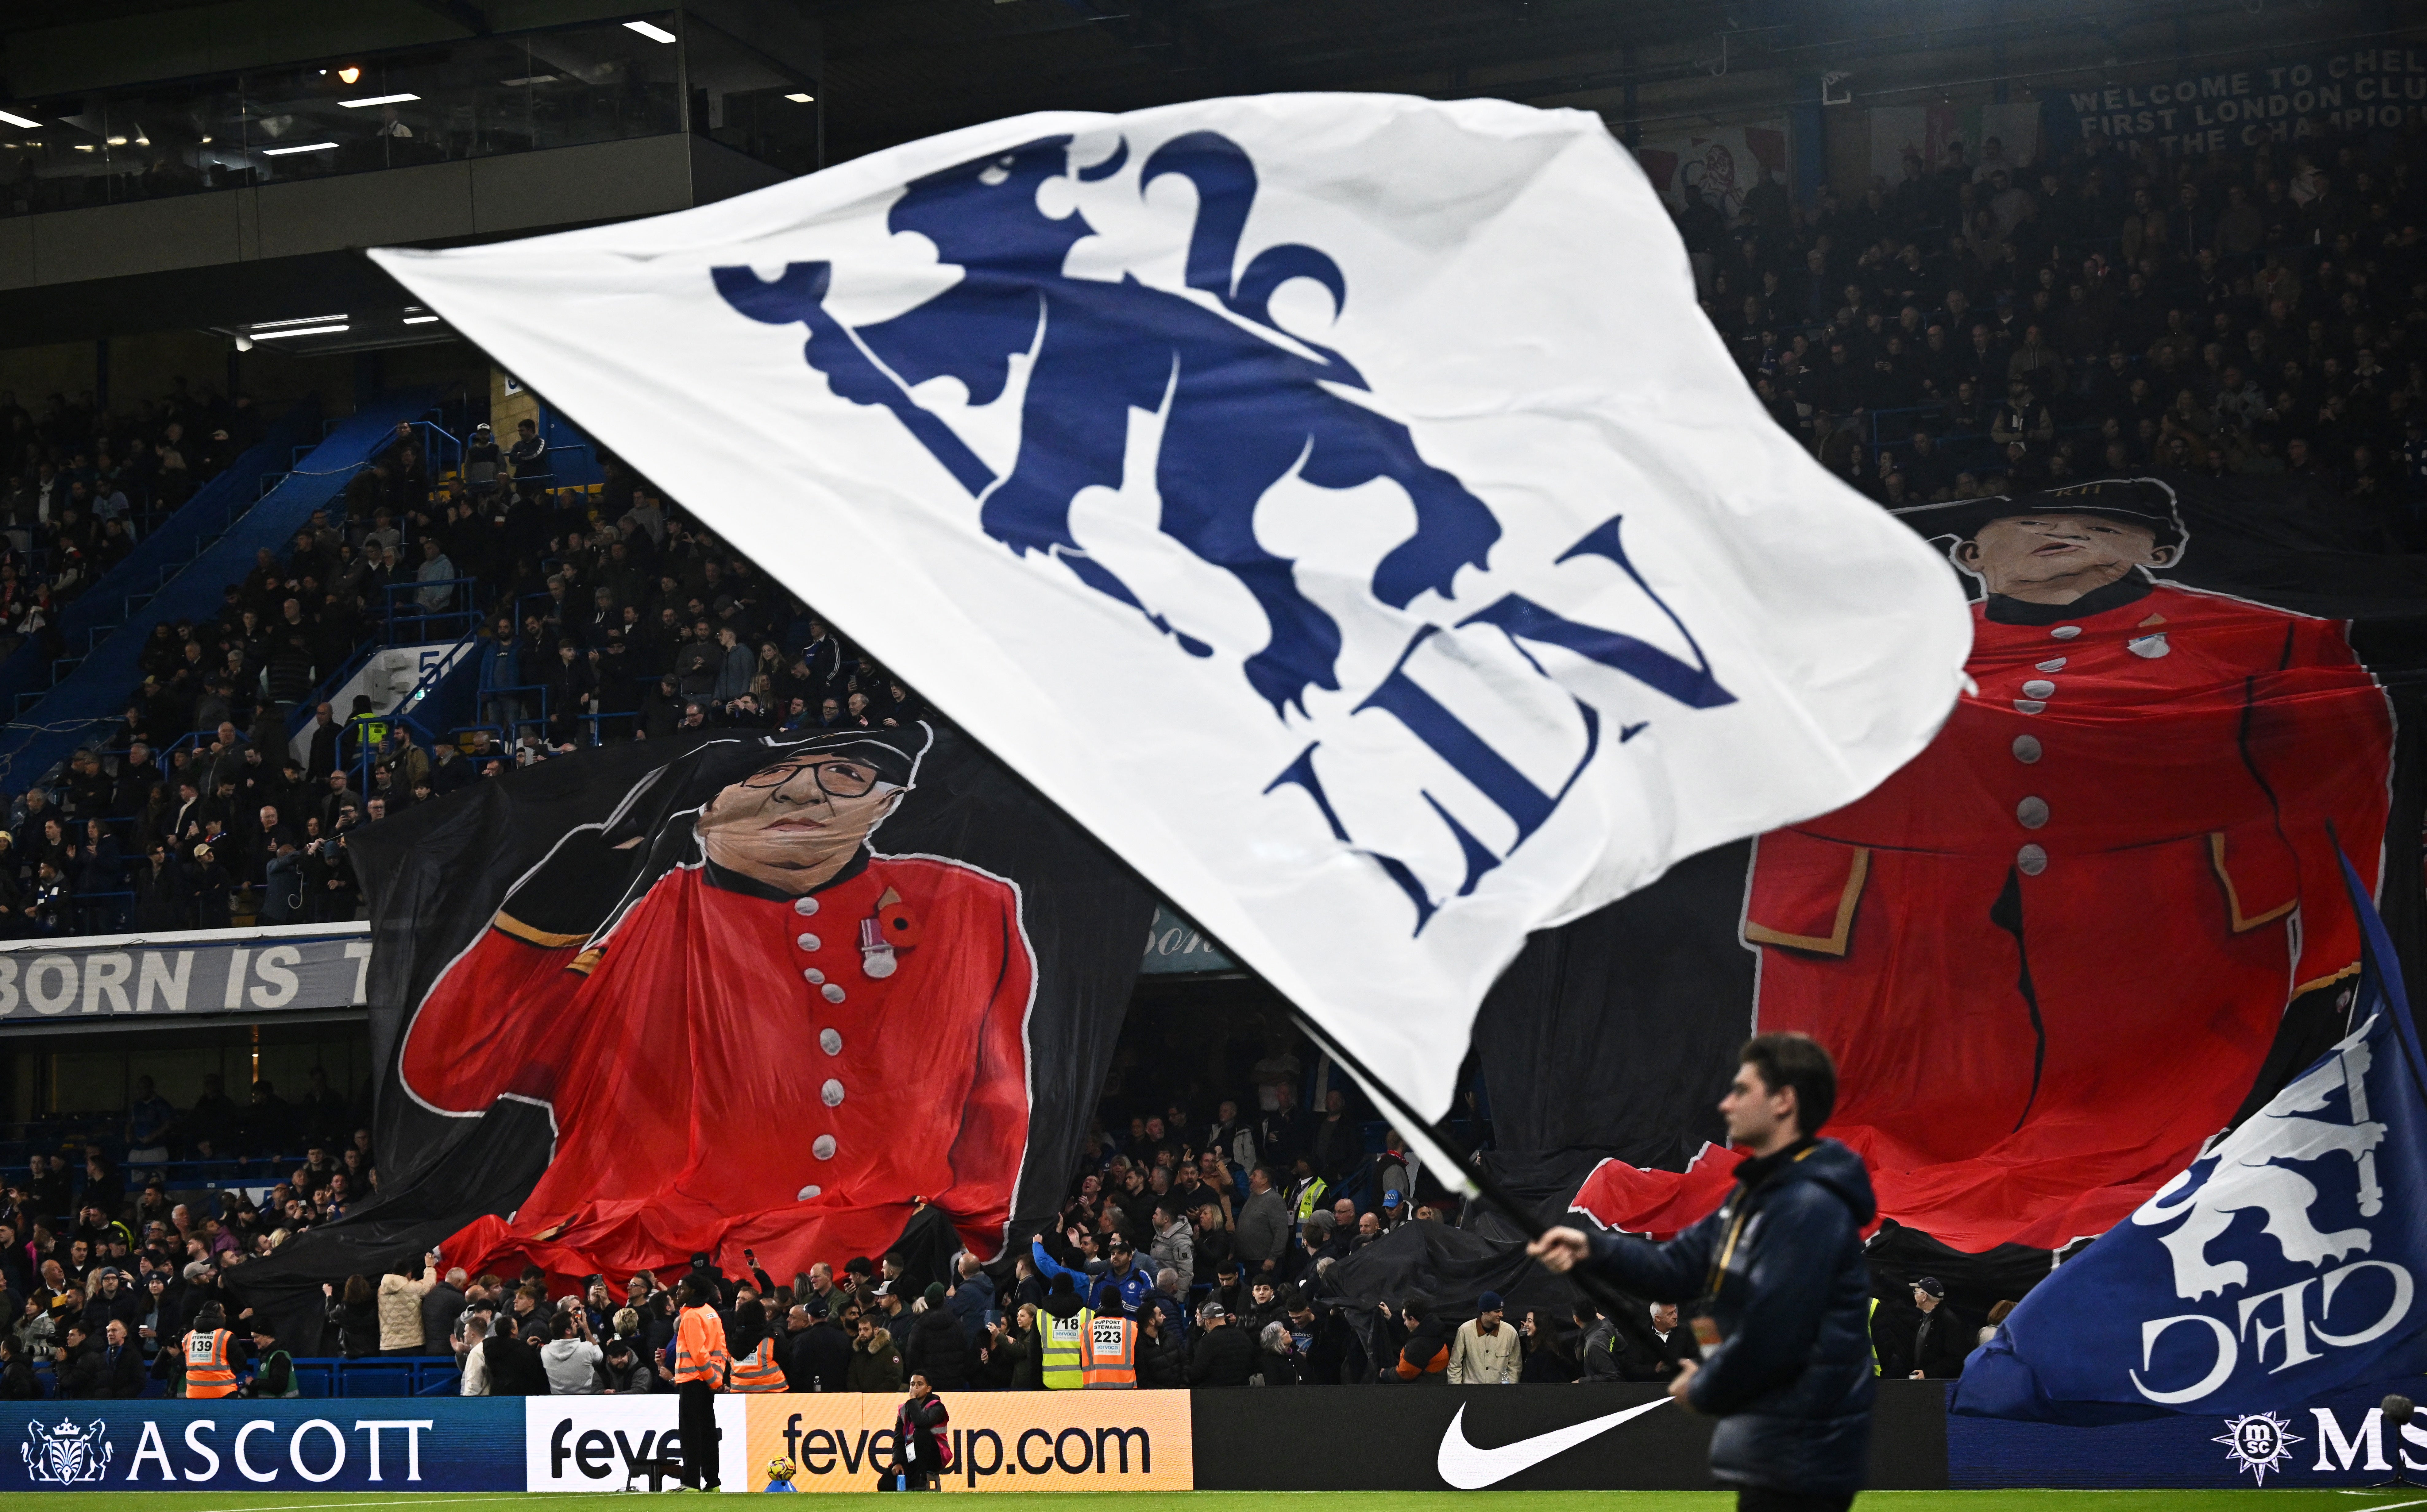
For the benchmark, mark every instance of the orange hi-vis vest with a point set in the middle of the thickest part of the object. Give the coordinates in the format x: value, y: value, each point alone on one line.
x: 699, y: 1347
x: 757, y: 1370
x: 1108, y: 1354
x: 210, y: 1363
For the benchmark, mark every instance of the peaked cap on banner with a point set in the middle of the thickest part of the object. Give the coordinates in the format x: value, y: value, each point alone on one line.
x: 2142, y: 501
x: 1337, y: 503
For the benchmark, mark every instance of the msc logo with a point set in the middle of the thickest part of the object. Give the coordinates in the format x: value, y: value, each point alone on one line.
x: 2258, y: 1444
x: 66, y: 1455
x: 1153, y: 424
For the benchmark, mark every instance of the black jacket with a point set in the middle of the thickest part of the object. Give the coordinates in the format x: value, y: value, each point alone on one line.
x: 122, y: 1378
x: 514, y: 1368
x: 821, y: 1354
x: 1643, y: 1354
x: 1941, y: 1342
x: 1225, y: 1357
x: 938, y: 1350
x: 1163, y: 1360
x: 1781, y: 1265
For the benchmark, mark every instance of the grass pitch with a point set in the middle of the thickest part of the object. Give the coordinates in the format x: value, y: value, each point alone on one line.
x: 2251, y: 1500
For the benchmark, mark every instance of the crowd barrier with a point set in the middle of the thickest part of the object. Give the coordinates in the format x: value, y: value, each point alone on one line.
x: 1527, y: 1438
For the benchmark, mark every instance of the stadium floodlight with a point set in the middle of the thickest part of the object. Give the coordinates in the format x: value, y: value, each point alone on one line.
x: 15, y: 120
x: 349, y: 74
x: 799, y: 99
x: 420, y: 320
x: 651, y: 30
x: 299, y: 331
x: 307, y: 147
x: 378, y: 99
x: 300, y: 320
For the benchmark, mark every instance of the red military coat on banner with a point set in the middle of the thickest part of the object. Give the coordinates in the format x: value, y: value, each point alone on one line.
x: 2050, y: 955
x: 727, y: 1071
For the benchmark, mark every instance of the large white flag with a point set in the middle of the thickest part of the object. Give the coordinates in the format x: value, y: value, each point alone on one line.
x: 1337, y: 503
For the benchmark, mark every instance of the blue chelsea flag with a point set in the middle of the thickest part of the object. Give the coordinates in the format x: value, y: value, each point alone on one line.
x: 2281, y: 1267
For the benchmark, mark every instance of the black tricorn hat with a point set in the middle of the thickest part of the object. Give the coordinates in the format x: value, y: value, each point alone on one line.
x: 2142, y: 501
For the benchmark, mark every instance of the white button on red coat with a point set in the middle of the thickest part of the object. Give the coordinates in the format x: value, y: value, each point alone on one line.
x: 805, y: 906
x: 830, y: 1041
x: 823, y: 1147
x: 808, y: 942
x: 831, y: 1093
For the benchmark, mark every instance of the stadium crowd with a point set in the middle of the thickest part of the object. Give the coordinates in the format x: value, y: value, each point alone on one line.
x: 1215, y: 1238
x: 80, y: 483
x: 604, y: 614
x: 1988, y: 325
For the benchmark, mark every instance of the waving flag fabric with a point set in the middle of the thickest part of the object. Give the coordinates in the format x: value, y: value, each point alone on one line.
x: 2282, y: 1266
x: 1336, y: 503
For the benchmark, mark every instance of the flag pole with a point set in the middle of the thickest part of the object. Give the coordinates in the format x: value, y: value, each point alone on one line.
x: 1459, y: 1171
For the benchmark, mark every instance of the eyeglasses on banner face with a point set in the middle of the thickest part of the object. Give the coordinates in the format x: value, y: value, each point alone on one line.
x: 835, y: 779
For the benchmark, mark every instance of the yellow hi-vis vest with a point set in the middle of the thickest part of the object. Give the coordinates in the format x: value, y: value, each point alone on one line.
x: 1308, y: 1199
x: 1062, y: 1367
x: 1108, y: 1354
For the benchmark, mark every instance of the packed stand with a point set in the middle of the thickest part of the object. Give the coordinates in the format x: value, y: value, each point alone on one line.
x: 1990, y: 327
x: 601, y: 616
x: 80, y: 484
x: 105, y: 1266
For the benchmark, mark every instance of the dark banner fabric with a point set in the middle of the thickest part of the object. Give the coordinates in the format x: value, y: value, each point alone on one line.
x: 660, y: 999
x: 1581, y: 1437
x: 2098, y: 919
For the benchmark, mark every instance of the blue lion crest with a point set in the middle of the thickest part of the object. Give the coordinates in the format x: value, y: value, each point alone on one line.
x: 1245, y: 409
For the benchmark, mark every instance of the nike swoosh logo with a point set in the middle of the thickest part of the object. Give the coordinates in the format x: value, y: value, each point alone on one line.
x: 1469, y: 1468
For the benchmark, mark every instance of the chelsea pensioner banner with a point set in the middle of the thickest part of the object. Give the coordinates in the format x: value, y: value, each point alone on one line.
x: 754, y: 991
x: 2100, y: 916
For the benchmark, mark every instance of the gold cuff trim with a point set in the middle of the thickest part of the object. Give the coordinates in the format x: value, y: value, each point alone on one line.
x: 1833, y: 943
x: 2233, y: 899
x: 508, y: 924
x: 586, y: 961
x: 2326, y: 980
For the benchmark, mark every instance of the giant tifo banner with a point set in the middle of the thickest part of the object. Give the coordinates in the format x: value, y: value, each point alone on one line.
x: 2212, y: 110
x: 772, y: 992
x: 2099, y: 917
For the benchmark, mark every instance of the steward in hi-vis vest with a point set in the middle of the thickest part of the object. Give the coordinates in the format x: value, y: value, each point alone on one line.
x: 699, y: 1363
x: 1108, y: 1344
x: 1061, y: 1325
x: 756, y: 1368
x: 210, y: 1354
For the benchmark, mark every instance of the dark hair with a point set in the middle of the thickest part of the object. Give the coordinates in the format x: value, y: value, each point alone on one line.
x: 749, y: 1327
x: 1788, y: 1060
x: 358, y: 1291
x: 563, y: 1326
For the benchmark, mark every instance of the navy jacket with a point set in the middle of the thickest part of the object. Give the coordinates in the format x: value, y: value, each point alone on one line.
x: 1780, y: 1269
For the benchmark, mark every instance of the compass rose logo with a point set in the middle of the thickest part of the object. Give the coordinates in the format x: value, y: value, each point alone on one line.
x: 2258, y: 1442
